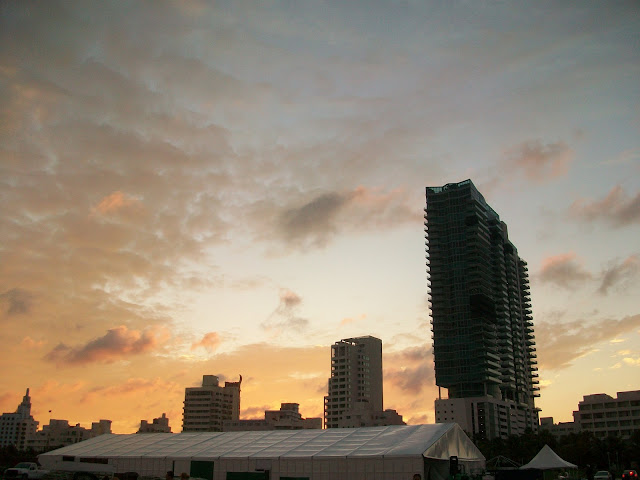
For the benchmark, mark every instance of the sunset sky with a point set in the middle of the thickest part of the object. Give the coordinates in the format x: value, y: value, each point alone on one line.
x: 225, y: 188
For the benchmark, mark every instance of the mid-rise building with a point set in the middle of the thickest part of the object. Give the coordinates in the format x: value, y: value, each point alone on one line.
x: 17, y: 427
x: 287, y: 418
x: 207, y: 407
x: 607, y: 416
x: 59, y: 434
x: 355, y: 385
x: 157, y: 425
x: 483, y: 340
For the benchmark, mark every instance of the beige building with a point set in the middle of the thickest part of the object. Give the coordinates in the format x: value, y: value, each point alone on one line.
x: 604, y: 415
x: 158, y: 425
x: 354, y: 396
x: 287, y: 418
x: 207, y: 407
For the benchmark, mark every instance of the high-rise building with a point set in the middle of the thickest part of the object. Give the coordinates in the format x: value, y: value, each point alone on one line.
x: 207, y: 407
x: 356, y: 380
x: 483, y: 341
x: 18, y: 427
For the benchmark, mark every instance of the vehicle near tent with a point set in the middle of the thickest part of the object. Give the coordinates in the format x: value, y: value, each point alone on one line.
x: 24, y: 470
x: 396, y: 452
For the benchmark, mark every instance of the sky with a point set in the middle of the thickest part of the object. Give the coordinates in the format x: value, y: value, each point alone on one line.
x: 228, y: 188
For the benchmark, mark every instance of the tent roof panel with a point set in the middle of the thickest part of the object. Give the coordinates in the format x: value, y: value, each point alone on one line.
x: 397, y: 440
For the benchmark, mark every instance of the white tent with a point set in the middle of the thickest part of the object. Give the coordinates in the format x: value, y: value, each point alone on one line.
x: 547, y: 459
x: 391, y: 452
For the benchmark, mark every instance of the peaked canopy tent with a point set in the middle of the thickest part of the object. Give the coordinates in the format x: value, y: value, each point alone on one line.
x: 391, y: 452
x: 547, y: 459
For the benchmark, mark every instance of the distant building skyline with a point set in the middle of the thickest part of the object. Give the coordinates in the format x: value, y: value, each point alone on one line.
x: 287, y: 418
x: 483, y: 340
x: 157, y: 425
x: 60, y: 433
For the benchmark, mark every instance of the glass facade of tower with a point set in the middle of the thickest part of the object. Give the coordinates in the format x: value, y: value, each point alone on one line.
x: 483, y: 339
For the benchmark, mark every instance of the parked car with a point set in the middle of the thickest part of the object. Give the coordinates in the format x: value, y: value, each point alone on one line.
x: 629, y: 475
x: 603, y: 475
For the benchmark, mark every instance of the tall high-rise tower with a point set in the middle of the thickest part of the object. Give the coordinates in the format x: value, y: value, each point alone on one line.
x: 355, y: 385
x: 483, y: 341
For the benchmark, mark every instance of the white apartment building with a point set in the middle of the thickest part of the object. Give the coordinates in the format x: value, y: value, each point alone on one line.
x: 16, y: 428
x: 607, y: 416
x: 207, y: 407
x: 287, y: 418
x: 158, y: 425
x: 355, y: 386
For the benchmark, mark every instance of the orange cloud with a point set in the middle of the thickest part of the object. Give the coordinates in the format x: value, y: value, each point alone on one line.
x: 116, y: 344
x: 348, y: 320
x: 210, y: 341
x: 30, y: 343
x: 115, y: 203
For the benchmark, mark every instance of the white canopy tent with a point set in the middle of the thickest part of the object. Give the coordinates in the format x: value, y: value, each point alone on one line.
x: 547, y: 459
x: 391, y: 452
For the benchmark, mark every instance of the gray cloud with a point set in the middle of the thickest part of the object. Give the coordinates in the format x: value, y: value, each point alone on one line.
x: 617, y: 208
x: 315, y: 223
x: 559, y: 344
x: 285, y: 320
x: 619, y: 274
x: 313, y: 219
x: 17, y: 301
x: 563, y: 271
x: 118, y: 343
x: 410, y: 370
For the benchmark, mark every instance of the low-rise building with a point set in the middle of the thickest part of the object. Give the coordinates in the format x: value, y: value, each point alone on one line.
x: 356, y: 418
x: 59, y: 433
x: 607, y: 416
x: 287, y: 418
x: 558, y: 429
x: 158, y: 425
